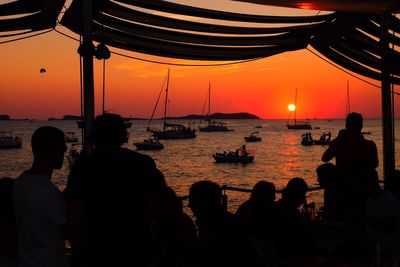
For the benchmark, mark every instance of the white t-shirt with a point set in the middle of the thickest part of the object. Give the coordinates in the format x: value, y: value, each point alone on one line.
x: 40, y: 211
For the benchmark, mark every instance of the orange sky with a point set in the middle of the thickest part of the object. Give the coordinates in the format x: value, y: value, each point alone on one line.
x: 264, y: 87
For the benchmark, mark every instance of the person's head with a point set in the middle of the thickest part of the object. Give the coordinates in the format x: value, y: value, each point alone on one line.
x: 109, y: 129
x: 295, y: 191
x: 354, y: 122
x: 263, y: 192
x: 326, y: 174
x: 48, y: 145
x: 205, y: 198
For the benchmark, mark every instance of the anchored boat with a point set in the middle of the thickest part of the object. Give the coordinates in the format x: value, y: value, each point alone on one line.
x: 9, y: 141
x: 149, y: 144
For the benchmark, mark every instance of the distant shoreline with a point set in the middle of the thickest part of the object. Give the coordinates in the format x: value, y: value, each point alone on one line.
x: 214, y: 116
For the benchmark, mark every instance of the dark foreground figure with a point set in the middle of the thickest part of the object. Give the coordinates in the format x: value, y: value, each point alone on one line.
x: 39, y: 205
x: 108, y: 194
x: 356, y: 158
x: 222, y: 240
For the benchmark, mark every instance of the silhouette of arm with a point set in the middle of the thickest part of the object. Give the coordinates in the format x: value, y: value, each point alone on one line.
x: 330, y: 153
x: 374, y: 150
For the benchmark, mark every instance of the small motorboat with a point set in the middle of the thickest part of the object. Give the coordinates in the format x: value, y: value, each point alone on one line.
x: 232, y: 158
x: 70, y: 137
x: 9, y: 141
x: 253, y: 137
x: 325, y: 139
x: 307, y: 139
x: 149, y: 144
x: 239, y: 156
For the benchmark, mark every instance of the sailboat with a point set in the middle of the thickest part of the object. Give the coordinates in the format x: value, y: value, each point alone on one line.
x: 298, y: 125
x: 348, y: 106
x: 213, y: 126
x: 171, y: 130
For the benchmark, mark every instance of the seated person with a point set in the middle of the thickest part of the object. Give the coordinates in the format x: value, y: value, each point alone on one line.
x: 222, y: 240
x: 333, y: 200
x: 382, y: 219
x: 292, y: 228
x: 256, y: 214
x: 322, y: 138
x: 174, y: 233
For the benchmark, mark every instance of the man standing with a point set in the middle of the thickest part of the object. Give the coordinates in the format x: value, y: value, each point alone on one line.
x: 356, y: 158
x: 39, y: 205
x: 108, y: 200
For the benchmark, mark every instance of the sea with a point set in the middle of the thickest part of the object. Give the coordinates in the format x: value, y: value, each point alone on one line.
x: 278, y: 157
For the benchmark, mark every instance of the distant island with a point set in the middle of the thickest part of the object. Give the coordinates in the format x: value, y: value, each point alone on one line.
x: 4, y: 118
x: 214, y: 116
x: 219, y: 116
x: 8, y: 118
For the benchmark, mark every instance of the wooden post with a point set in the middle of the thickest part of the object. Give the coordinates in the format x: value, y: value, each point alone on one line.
x: 387, y: 119
x: 88, y: 79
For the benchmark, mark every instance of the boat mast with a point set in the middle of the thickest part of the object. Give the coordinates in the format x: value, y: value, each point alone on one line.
x: 348, y: 100
x: 295, y: 107
x: 209, y: 104
x: 88, y: 79
x: 166, y: 101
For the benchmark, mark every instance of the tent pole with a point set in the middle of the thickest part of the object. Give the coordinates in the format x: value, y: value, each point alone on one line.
x: 387, y: 120
x: 88, y: 80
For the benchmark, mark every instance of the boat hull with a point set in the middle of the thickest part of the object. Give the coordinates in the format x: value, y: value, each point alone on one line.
x: 214, y: 129
x: 147, y: 146
x: 322, y: 143
x: 220, y: 158
x: 174, y: 134
x: 8, y: 143
x: 299, y: 126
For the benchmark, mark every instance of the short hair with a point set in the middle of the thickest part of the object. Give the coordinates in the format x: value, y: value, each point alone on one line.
x: 263, y: 189
x: 206, y: 190
x: 109, y: 128
x: 326, y: 169
x: 296, y: 188
x: 46, y: 140
x: 354, y: 122
x: 327, y: 175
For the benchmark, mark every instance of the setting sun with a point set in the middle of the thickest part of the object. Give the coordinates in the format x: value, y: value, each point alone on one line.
x: 291, y: 107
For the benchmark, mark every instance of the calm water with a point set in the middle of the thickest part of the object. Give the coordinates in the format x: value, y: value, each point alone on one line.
x: 278, y: 157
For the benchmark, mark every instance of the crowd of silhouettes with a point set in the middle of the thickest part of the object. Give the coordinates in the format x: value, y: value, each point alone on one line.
x: 118, y: 210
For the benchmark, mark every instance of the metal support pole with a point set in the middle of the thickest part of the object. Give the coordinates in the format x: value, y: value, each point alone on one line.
x: 88, y: 80
x: 387, y: 120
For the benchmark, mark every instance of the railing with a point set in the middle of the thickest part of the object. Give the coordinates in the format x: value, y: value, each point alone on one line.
x: 225, y: 188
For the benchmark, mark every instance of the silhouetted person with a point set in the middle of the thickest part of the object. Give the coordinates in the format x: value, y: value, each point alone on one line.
x: 382, y: 220
x: 222, y: 240
x: 39, y: 205
x: 8, y: 228
x: 355, y: 158
x: 108, y: 195
x: 257, y: 213
x: 295, y: 240
x: 393, y: 184
x: 333, y: 199
x: 174, y: 233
